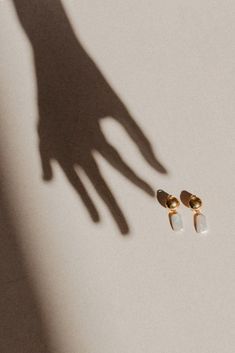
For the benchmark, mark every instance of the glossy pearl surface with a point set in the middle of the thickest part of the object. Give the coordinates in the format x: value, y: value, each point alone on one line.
x: 176, y: 221
x: 200, y: 223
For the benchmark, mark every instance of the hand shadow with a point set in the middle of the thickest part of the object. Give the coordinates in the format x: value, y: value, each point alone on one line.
x: 73, y: 96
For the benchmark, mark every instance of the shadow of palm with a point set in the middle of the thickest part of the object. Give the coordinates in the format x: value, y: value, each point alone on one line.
x: 73, y: 96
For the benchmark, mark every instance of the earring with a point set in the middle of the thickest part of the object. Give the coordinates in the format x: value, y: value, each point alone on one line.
x: 200, y: 224
x: 172, y: 203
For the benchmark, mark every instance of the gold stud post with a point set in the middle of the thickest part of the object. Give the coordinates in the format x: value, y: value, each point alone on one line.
x: 195, y: 203
x: 172, y: 202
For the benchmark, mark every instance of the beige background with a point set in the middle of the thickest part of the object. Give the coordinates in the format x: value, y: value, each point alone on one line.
x: 173, y: 64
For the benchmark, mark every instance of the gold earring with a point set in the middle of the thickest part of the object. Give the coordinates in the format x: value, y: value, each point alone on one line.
x: 200, y: 224
x: 172, y: 203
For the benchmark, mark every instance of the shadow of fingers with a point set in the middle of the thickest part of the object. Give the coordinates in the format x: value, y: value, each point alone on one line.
x: 114, y: 158
x: 103, y: 190
x: 142, y: 142
x: 75, y: 181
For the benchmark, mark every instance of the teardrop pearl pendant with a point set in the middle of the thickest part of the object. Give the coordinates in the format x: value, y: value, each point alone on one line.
x: 200, y: 224
x: 172, y: 203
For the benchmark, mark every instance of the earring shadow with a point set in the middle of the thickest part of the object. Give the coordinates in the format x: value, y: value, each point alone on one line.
x: 162, y: 196
x: 185, y: 197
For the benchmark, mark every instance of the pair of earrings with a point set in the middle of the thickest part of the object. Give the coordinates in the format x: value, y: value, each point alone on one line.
x: 189, y: 200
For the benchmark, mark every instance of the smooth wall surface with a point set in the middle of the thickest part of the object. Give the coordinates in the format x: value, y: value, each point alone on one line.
x: 172, y: 64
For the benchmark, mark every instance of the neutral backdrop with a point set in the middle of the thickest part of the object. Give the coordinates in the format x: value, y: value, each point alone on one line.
x: 173, y: 64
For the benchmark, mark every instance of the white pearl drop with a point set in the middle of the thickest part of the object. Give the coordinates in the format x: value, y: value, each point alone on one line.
x: 176, y: 221
x: 200, y: 223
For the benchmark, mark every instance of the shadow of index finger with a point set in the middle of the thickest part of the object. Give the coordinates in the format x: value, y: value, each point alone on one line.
x: 138, y: 136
